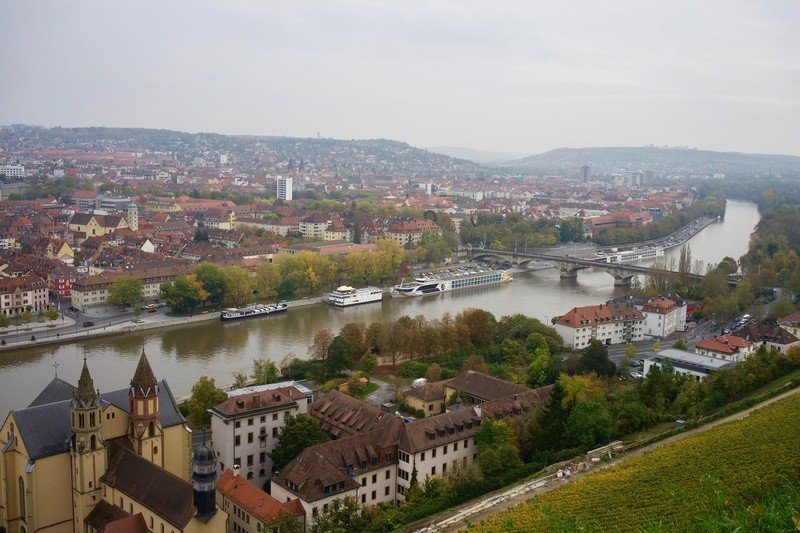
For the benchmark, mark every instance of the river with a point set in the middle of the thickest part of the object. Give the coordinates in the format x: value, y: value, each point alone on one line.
x: 182, y: 354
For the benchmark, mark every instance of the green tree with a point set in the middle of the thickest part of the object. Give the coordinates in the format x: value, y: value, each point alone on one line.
x: 264, y: 372
x: 182, y: 295
x: 298, y: 433
x: 212, y: 278
x: 342, y: 516
x: 26, y: 317
x: 551, y: 421
x: 267, y: 281
x: 340, y: 357
x: 239, y: 380
x: 680, y: 344
x: 51, y: 314
x: 5, y: 320
x: 136, y: 313
x: 205, y: 395
x: 355, y: 387
x: 595, y: 359
x: 368, y: 362
x: 238, y: 286
x: 284, y: 523
x: 433, y: 373
x: 125, y: 290
x: 630, y: 351
x: 497, y: 447
x: 588, y: 423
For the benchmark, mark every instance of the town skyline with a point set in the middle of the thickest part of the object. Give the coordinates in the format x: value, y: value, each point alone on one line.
x: 496, y: 78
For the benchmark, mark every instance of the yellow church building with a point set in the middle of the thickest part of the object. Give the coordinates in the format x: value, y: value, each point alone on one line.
x: 78, y: 461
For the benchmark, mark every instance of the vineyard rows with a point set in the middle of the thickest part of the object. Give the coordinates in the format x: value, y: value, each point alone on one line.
x: 676, y: 486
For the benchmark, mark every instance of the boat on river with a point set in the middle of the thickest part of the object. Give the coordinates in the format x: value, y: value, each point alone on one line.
x: 346, y: 296
x: 237, y: 313
x: 630, y: 255
x: 450, y: 280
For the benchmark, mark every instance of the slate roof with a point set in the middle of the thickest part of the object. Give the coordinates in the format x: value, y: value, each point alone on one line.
x: 483, y: 386
x: 765, y: 333
x: 428, y: 392
x: 56, y: 391
x: 104, y: 513
x: 45, y: 429
x: 341, y: 415
x: 448, y: 427
x: 167, y: 495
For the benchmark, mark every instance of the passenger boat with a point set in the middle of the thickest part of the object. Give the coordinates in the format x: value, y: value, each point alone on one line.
x: 631, y: 255
x: 234, y: 313
x: 346, y: 296
x: 450, y: 280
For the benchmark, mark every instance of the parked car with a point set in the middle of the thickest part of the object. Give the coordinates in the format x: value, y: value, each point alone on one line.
x: 637, y: 375
x: 73, y: 308
x: 88, y: 323
x: 152, y: 310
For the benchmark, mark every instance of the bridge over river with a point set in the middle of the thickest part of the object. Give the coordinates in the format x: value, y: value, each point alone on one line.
x: 623, y: 273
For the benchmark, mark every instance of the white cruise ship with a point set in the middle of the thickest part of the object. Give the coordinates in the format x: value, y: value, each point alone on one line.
x: 345, y: 296
x: 631, y: 255
x: 450, y: 281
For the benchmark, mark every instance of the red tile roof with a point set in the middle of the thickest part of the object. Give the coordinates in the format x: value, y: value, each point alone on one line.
x: 254, y: 500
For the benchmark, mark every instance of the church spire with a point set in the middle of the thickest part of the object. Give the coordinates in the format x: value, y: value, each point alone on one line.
x: 85, y: 394
x: 143, y: 379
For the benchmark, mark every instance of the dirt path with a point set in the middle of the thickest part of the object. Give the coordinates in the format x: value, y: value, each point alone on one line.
x: 476, y: 511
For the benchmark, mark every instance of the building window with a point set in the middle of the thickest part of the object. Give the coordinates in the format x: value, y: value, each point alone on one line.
x: 444, y: 450
x: 363, y: 482
x: 388, y: 474
x: 386, y: 491
x: 237, y: 462
x: 249, y: 421
x: 363, y: 498
x: 274, y: 416
x: 237, y: 424
x: 263, y: 419
x: 262, y: 457
x: 433, y: 470
x: 433, y: 453
x: 249, y: 438
x: 374, y: 494
x: 249, y: 460
x: 374, y: 478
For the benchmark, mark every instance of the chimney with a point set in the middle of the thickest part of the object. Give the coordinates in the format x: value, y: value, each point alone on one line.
x: 235, y: 470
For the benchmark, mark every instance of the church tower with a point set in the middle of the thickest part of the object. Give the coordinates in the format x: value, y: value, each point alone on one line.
x: 87, y: 448
x: 133, y: 216
x: 144, y: 430
x: 204, y: 481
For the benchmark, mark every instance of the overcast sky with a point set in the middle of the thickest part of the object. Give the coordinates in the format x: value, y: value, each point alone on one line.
x: 521, y: 77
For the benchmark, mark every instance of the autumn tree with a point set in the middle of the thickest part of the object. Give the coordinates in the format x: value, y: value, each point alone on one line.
x: 267, y: 280
x: 238, y: 286
x: 205, y: 395
x: 318, y: 349
x: 184, y: 294
x: 212, y: 278
x: 264, y: 372
x: 125, y: 290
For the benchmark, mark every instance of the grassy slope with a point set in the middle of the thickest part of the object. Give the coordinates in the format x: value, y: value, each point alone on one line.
x: 689, y: 485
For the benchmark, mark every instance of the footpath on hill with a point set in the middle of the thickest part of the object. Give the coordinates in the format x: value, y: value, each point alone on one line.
x: 474, y: 512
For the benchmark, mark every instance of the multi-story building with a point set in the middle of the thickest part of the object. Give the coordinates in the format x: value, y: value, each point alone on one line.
x: 729, y: 347
x: 373, y: 454
x: 664, y: 316
x: 791, y: 323
x: 610, y: 323
x: 76, y: 460
x: 410, y: 231
x: 93, y: 290
x: 24, y: 293
x: 284, y: 188
x: 85, y: 225
x: 313, y: 226
x: 250, y: 509
x: 246, y: 426
x: 688, y: 363
x: 771, y: 337
x: 12, y: 171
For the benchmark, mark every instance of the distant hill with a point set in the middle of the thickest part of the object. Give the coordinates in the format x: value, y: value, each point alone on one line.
x: 479, y: 156
x: 660, y: 159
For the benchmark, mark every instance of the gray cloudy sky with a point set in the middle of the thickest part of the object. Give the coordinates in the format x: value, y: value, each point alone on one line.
x: 516, y: 76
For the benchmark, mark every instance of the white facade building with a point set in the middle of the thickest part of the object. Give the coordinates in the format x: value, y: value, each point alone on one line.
x: 284, y: 185
x: 13, y: 171
x: 664, y: 316
x: 610, y: 323
x: 683, y: 362
x: 245, y: 427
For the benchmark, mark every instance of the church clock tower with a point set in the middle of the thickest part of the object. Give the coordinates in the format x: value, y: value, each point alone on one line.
x: 87, y: 447
x: 144, y: 430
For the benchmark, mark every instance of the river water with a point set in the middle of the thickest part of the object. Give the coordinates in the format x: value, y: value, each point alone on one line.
x: 182, y: 354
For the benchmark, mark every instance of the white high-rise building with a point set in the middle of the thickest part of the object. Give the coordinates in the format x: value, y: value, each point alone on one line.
x: 284, y: 188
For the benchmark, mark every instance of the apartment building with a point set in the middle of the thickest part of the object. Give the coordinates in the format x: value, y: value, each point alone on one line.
x: 93, y: 290
x: 24, y: 293
x: 249, y: 508
x: 664, y: 316
x: 247, y: 424
x: 610, y: 323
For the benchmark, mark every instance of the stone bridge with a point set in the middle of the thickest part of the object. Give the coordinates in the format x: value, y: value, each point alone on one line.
x: 569, y: 266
